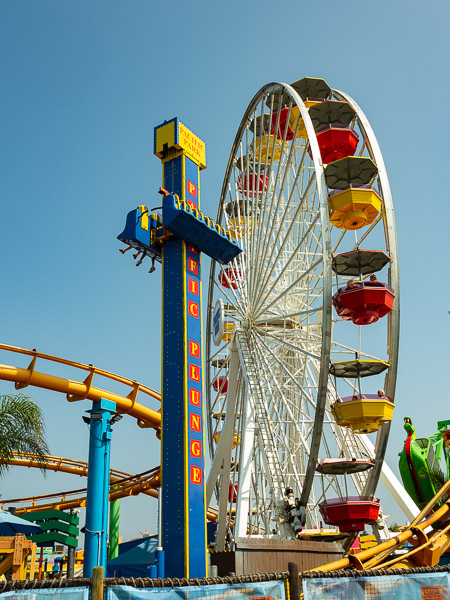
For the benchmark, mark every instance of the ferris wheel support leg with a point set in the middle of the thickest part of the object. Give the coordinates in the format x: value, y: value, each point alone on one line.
x: 222, y: 459
x: 245, y: 471
x: 394, y: 486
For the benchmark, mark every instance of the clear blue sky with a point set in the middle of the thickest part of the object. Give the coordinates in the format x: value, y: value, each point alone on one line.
x: 83, y: 85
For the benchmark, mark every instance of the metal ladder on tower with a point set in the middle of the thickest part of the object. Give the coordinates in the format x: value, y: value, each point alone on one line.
x: 268, y: 447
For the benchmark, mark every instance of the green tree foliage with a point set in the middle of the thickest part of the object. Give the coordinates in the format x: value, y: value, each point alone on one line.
x: 22, y: 429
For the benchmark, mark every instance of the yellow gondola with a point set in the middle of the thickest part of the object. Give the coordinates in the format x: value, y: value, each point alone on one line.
x: 295, y: 115
x: 266, y: 148
x: 238, y: 227
x: 353, y: 208
x: 363, y: 414
x: 228, y: 327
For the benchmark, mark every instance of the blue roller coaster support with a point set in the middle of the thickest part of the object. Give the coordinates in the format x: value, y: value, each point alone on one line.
x: 97, y: 485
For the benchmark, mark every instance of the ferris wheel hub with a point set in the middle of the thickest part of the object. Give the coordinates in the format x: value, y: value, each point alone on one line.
x: 246, y: 324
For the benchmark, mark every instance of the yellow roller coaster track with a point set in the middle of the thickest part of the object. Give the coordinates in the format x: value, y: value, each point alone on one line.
x: 121, y: 484
x: 82, y: 390
x: 146, y: 482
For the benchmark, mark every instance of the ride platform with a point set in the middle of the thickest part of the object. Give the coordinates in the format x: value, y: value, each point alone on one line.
x: 185, y: 221
x: 146, y: 232
x: 262, y: 555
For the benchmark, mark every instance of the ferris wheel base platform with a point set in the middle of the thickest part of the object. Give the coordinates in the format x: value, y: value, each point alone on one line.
x: 262, y: 555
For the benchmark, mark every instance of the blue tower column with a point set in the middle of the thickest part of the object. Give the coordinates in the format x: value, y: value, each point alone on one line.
x: 98, y: 485
x: 177, y: 237
x: 182, y: 462
x: 183, y: 507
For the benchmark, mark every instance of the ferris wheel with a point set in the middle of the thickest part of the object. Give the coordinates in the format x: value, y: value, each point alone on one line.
x: 302, y: 336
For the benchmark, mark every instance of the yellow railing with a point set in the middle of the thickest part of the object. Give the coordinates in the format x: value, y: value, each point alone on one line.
x: 183, y: 205
x: 82, y: 390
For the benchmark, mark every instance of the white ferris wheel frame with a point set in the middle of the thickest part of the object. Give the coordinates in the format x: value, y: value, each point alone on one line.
x: 219, y: 476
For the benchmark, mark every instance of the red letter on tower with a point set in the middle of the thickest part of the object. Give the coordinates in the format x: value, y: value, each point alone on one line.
x: 194, y: 348
x: 193, y: 286
x: 191, y: 189
x: 196, y: 449
x: 193, y: 309
x: 195, y: 422
x: 194, y: 372
x: 196, y: 475
x: 194, y: 397
x: 192, y: 265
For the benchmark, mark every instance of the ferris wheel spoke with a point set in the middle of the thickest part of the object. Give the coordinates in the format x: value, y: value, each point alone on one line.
x: 288, y: 374
x: 257, y: 398
x: 245, y: 205
x: 281, y: 233
x: 236, y: 281
x: 293, y: 347
x: 284, y: 317
x: 237, y: 304
x: 267, y: 168
x: 297, y: 254
x: 286, y: 237
x: 286, y: 290
x: 283, y: 166
x: 268, y: 205
x: 281, y: 397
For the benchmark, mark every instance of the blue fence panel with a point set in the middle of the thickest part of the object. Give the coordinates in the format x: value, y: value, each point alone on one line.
x: 267, y: 590
x: 430, y: 586
x: 73, y: 593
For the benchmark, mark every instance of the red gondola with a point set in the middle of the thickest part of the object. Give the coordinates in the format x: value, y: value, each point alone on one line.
x: 228, y: 278
x: 364, y: 303
x: 336, y: 143
x: 232, y: 492
x: 250, y: 186
x: 351, y: 513
x: 220, y: 384
x: 283, y: 123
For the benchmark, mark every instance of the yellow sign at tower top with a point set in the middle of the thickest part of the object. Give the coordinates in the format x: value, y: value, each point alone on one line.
x: 174, y: 134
